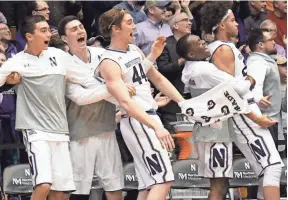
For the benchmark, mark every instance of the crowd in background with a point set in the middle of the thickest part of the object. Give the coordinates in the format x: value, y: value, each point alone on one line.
x: 172, y: 19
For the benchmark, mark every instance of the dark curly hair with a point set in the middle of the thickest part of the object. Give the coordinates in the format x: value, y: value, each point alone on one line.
x: 212, y: 13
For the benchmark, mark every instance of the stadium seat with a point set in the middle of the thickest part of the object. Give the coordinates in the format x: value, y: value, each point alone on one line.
x: 283, y: 180
x: 130, y: 179
x: 17, y: 179
x: 244, y: 176
x: 186, y: 175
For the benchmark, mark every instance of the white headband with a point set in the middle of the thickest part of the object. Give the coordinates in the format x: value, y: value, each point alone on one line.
x: 223, y: 18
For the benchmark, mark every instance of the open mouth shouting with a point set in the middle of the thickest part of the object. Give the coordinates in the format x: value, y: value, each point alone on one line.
x: 81, y: 40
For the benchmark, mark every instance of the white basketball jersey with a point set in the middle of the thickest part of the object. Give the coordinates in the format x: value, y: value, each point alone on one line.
x: 240, y: 67
x: 134, y: 73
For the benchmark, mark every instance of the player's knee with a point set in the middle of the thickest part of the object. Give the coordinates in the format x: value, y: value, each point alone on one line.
x: 272, y: 175
x: 43, y: 187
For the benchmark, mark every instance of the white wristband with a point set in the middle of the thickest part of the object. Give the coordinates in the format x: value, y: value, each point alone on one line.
x: 147, y: 63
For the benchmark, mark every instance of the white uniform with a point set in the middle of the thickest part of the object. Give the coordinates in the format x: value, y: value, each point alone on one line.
x: 94, y: 148
x: 41, y: 115
x: 152, y: 163
x: 255, y: 142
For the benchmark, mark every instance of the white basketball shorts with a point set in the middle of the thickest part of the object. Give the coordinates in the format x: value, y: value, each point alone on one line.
x: 99, y: 155
x: 254, y: 142
x: 152, y: 162
x: 50, y: 163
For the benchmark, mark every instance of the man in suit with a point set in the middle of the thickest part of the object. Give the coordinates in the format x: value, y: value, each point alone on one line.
x: 171, y: 65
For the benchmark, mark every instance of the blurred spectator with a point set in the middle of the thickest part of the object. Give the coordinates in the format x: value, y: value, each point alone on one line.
x: 5, y: 35
x: 183, y: 6
x: 39, y: 7
x: 270, y: 6
x: 56, y: 42
x: 149, y: 30
x: 14, y: 11
x: 263, y: 68
x: 241, y: 27
x: 195, y: 8
x: 2, y: 58
x: 58, y: 11
x: 74, y: 8
x: 3, y: 18
x: 169, y: 12
x: 135, y: 9
x: 171, y: 65
x: 257, y: 15
x: 207, y: 37
x: 91, y: 13
x: 98, y: 41
x: 279, y: 16
x: 270, y: 26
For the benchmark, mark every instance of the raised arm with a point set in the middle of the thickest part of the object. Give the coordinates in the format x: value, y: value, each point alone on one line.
x: 111, y: 72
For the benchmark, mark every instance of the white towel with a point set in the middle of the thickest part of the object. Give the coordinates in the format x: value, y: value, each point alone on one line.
x: 215, y: 105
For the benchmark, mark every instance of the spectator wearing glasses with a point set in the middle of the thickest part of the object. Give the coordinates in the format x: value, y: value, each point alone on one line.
x: 263, y: 68
x: 6, y: 40
x: 38, y: 7
x: 171, y: 65
x: 270, y: 26
x: 153, y: 26
x: 279, y: 16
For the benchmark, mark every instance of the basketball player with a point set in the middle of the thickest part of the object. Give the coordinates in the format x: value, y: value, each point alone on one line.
x: 41, y: 110
x: 93, y: 143
x: 141, y: 128
x: 205, y: 75
x: 228, y: 58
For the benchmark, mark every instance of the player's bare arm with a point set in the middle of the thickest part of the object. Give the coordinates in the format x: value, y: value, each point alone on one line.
x: 163, y: 85
x: 223, y: 58
x: 111, y: 72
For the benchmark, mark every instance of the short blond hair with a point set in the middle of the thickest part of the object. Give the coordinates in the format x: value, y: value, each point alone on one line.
x: 111, y: 17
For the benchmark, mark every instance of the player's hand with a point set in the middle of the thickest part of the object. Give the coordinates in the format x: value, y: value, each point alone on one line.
x: 54, y: 32
x: 181, y: 61
x: 13, y: 78
x: 165, y: 138
x: 131, y: 90
x: 264, y: 121
x: 161, y: 100
x: 158, y: 46
x: 185, y: 3
x: 264, y: 102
